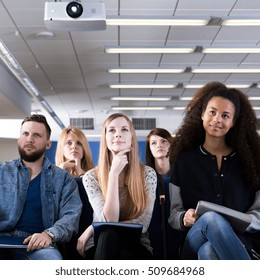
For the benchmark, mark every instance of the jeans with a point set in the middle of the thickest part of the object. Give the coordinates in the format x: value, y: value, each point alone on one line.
x: 49, y: 253
x: 212, y: 238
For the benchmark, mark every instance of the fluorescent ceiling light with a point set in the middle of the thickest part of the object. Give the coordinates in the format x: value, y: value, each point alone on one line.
x: 254, y: 98
x: 256, y: 108
x: 223, y: 70
x: 227, y: 85
x: 179, y: 108
x: 133, y: 86
x: 141, y: 98
x: 145, y: 71
x: 150, y: 108
x: 157, y: 21
x: 170, y: 86
x: 148, y: 50
x: 242, y: 21
x: 193, y: 86
x: 238, y: 85
x: 186, y: 98
x: 179, y: 49
x: 230, y: 50
x: 178, y: 71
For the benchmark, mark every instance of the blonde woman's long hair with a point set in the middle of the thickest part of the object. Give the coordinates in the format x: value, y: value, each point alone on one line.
x: 134, y: 171
x: 86, y: 162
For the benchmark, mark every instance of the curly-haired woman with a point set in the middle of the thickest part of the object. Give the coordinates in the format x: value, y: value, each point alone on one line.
x: 216, y: 156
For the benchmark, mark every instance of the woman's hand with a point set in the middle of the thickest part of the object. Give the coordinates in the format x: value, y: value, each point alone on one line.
x: 120, y: 160
x: 68, y: 165
x: 73, y: 167
x: 82, y: 240
x: 190, y: 218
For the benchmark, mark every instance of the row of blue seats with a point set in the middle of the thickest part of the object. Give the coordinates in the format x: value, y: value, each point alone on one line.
x: 164, y: 240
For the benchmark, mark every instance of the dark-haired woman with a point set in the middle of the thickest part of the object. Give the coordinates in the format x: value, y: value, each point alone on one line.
x: 216, y: 158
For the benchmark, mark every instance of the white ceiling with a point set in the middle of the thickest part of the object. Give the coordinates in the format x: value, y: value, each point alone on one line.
x: 71, y: 69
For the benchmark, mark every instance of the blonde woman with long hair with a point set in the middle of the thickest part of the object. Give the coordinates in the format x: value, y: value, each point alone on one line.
x: 120, y: 189
x: 73, y: 152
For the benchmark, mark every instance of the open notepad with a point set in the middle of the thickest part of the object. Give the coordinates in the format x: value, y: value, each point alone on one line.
x: 130, y: 231
x: 12, y: 242
x: 238, y: 220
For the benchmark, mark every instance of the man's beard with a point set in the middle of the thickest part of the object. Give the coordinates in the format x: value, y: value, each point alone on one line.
x: 30, y: 157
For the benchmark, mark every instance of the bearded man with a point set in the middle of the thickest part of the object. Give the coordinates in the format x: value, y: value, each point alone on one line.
x: 39, y: 202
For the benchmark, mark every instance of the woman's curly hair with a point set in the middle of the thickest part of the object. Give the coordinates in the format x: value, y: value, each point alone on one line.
x: 242, y: 137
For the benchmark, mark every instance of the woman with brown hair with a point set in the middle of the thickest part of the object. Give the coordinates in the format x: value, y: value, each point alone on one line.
x: 120, y: 189
x: 164, y: 238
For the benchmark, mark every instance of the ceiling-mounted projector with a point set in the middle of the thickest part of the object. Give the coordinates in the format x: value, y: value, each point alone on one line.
x: 75, y: 16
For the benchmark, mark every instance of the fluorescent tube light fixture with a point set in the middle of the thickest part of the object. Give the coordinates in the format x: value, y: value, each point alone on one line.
x: 145, y: 71
x: 135, y: 108
x: 225, y: 70
x: 230, y: 50
x: 141, y: 98
x: 196, y: 86
x: 190, y: 86
x: 242, y: 21
x: 157, y: 21
x: 179, y: 108
x: 186, y: 98
x: 142, y: 86
x: 148, y: 50
x: 238, y: 85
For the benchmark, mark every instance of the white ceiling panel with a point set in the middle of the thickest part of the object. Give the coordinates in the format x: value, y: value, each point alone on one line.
x: 70, y: 69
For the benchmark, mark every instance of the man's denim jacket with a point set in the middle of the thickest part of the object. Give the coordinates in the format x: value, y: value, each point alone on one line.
x: 61, y: 203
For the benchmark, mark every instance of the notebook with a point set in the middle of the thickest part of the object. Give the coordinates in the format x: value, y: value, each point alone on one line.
x: 131, y: 231
x: 238, y: 220
x: 12, y: 242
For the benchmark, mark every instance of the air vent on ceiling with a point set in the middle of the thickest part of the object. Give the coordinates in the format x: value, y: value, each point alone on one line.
x: 144, y: 123
x: 83, y: 123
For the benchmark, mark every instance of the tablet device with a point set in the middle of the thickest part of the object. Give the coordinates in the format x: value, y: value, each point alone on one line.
x: 130, y: 231
x: 238, y: 220
x: 12, y: 242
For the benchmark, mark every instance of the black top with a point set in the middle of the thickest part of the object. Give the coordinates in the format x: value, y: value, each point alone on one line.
x: 196, y: 174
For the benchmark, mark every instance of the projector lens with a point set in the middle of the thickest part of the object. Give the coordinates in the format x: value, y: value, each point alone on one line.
x: 74, y: 9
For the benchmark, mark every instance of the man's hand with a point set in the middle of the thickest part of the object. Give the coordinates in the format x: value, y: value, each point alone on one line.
x: 37, y: 241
